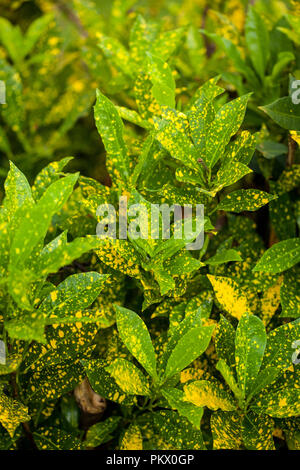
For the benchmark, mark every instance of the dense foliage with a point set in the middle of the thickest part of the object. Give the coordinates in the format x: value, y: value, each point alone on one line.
x: 195, y: 102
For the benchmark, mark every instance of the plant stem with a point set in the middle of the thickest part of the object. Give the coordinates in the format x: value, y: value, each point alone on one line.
x: 204, y: 248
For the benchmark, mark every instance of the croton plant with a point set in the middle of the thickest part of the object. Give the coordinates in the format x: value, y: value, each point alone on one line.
x: 139, y: 343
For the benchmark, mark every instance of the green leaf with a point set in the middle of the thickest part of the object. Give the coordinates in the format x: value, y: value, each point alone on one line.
x: 51, y: 382
x: 101, y: 432
x: 29, y: 327
x: 202, y: 303
x: 37, y: 219
x: 129, y: 378
x: 283, y: 60
x: 282, y: 403
x: 242, y: 148
x: 17, y: 190
x: 175, y: 398
x: 167, y: 42
x: 288, y: 180
x: 11, y: 364
x: 120, y: 255
x: 279, y: 257
x: 116, y: 53
x: 177, y: 431
x: 142, y: 160
x: 35, y: 31
x: 228, y: 174
x: 285, y: 113
x: 232, y: 51
x: 50, y: 438
x: 292, y: 29
x: 181, y: 196
x: 291, y: 432
x: 202, y: 112
x: 48, y: 175
x: 12, y: 413
x: 279, y: 349
x: 53, y: 256
x: 142, y: 35
x: 173, y: 136
x: 103, y: 384
x: 264, y: 378
x: 132, y: 116
x: 11, y: 37
x: 59, y: 253
x: 226, y: 123
x: 210, y: 394
x: 289, y: 294
x: 226, y: 430
x: 110, y: 128
x: 132, y: 438
x: 209, y: 91
x: 182, y: 263
x: 74, y: 294
x: 188, y: 348
x: 165, y: 281
x: 175, y: 316
x: 257, y: 432
x: 4, y: 142
x: 225, y: 256
x: 165, y: 249
x: 193, y: 320
x: 257, y: 41
x: 14, y: 113
x: 228, y: 376
x: 282, y: 217
x: 271, y: 149
x: 63, y: 342
x: 225, y: 341
x: 161, y: 76
x: 6, y: 442
x: 245, y: 200
x: 135, y: 336
x: 146, y: 104
x: 270, y: 301
x: 187, y: 175
x: 250, y: 344
x: 230, y: 295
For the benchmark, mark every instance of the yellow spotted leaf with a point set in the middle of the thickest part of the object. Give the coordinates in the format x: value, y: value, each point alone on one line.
x: 245, y: 200
x: 270, y: 301
x: 132, y: 439
x: 226, y: 430
x: 12, y: 413
x: 250, y: 344
x: 230, y: 296
x: 258, y: 432
x: 110, y: 128
x: 129, y: 378
x: 209, y: 394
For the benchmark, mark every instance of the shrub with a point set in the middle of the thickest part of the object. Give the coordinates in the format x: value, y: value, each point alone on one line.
x: 186, y: 349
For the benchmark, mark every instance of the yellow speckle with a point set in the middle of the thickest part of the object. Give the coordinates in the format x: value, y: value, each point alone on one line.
x: 53, y: 296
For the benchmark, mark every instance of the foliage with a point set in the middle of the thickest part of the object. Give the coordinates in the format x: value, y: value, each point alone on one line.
x: 162, y: 103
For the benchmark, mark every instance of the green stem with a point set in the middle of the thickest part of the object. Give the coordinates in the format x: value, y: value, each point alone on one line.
x: 209, y: 175
x: 204, y: 248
